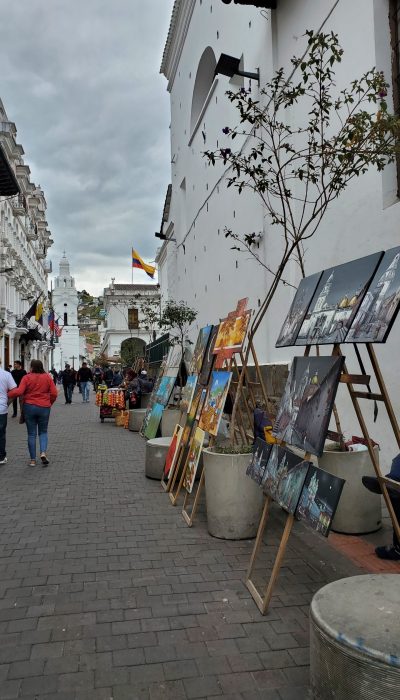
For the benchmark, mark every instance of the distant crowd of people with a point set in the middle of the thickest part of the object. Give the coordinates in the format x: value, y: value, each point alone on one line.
x: 36, y: 391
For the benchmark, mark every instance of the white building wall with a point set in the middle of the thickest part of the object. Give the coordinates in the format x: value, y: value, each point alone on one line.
x: 65, y: 301
x: 210, y: 276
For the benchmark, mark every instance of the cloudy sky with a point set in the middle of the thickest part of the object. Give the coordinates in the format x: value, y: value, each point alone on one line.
x: 80, y: 78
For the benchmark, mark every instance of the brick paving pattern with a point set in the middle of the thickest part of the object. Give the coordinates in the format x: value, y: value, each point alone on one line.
x: 105, y: 593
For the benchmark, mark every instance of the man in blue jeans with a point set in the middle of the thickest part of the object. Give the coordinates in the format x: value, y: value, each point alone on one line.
x: 6, y: 384
x: 84, y: 377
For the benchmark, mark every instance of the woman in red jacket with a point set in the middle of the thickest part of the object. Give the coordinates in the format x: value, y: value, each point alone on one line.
x: 38, y: 393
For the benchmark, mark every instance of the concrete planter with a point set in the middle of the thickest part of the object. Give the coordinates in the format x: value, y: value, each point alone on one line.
x: 136, y: 417
x: 156, y: 453
x: 359, y: 511
x: 170, y: 418
x: 234, y: 501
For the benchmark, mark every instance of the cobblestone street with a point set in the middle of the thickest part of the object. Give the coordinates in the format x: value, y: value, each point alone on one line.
x: 106, y: 593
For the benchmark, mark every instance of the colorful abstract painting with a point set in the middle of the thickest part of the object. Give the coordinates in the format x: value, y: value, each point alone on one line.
x: 192, y: 413
x: 173, y: 450
x: 381, y: 303
x: 231, y: 333
x: 336, y: 300
x: 199, y: 350
x: 259, y: 459
x: 196, y: 445
x: 215, y: 401
x: 319, y: 499
x: 284, y: 477
x: 154, y: 421
x: 187, y: 392
x: 294, y: 319
x: 306, y: 405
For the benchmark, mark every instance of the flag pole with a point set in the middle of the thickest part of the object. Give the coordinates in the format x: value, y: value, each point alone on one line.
x: 132, y: 264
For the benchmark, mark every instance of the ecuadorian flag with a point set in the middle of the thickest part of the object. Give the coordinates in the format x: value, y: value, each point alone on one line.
x: 141, y: 265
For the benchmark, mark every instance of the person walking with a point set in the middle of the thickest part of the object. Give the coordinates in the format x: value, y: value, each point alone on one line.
x: 17, y: 373
x: 6, y: 384
x: 84, y: 377
x: 38, y: 393
x: 68, y: 382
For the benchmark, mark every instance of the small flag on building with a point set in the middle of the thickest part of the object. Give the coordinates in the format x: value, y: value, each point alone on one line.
x: 138, y: 263
x: 57, y: 328
x: 39, y: 313
x: 32, y: 311
x: 50, y: 319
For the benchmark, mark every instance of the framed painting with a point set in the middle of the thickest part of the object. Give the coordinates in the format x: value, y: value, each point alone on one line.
x: 187, y: 392
x: 307, y: 402
x: 215, y: 401
x: 200, y: 349
x: 257, y: 466
x: 173, y: 450
x: 284, y: 477
x: 319, y: 499
x: 195, y: 448
x: 380, y: 306
x: 293, y: 322
x: 153, y: 423
x: 336, y: 300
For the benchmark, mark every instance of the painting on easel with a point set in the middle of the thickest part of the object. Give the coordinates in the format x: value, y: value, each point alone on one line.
x: 257, y: 466
x: 200, y: 349
x: 297, y: 311
x: 319, y: 499
x: 154, y: 421
x: 191, y: 415
x: 232, y: 333
x: 215, y: 401
x: 381, y: 303
x: 336, y: 301
x: 209, y: 358
x: 164, y: 390
x: 284, y: 477
x: 187, y: 392
x: 173, y: 451
x: 196, y: 445
x: 307, y: 402
x: 173, y: 361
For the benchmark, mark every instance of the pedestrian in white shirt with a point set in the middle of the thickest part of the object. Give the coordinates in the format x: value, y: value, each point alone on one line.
x: 6, y: 384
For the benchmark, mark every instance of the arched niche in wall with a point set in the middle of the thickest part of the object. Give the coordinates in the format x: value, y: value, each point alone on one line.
x: 202, y: 84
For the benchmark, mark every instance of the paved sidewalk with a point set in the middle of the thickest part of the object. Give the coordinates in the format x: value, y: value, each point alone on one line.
x: 106, y: 593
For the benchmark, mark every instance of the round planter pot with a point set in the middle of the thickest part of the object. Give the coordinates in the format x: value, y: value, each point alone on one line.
x: 359, y: 511
x: 170, y: 418
x: 136, y: 417
x: 156, y: 453
x: 234, y: 501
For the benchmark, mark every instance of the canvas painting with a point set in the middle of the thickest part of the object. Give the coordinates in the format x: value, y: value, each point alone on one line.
x: 192, y: 413
x: 209, y: 357
x: 173, y: 450
x: 201, y: 403
x: 154, y: 421
x: 297, y: 311
x: 256, y: 468
x: 188, y: 391
x: 173, y: 361
x: 336, y: 301
x: 381, y: 303
x: 199, y: 350
x: 319, y: 499
x: 215, y: 401
x: 196, y: 445
x: 164, y: 390
x: 231, y: 333
x: 284, y: 477
x: 152, y: 400
x: 306, y: 405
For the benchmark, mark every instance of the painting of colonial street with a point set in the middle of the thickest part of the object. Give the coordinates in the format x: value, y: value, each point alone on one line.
x: 257, y: 466
x: 306, y: 405
x: 381, y: 303
x: 284, y: 477
x: 297, y: 311
x: 336, y: 301
x: 319, y: 499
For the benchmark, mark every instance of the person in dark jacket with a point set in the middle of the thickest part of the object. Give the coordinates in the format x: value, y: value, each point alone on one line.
x: 108, y: 376
x: 84, y: 377
x: 391, y: 552
x: 17, y: 373
x: 68, y: 382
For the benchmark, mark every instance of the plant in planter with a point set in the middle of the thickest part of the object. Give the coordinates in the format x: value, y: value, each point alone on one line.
x: 177, y: 318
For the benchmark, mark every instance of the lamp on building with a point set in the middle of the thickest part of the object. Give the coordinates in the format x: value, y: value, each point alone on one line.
x: 229, y: 65
x: 163, y: 237
x: 267, y: 4
x: 6, y: 269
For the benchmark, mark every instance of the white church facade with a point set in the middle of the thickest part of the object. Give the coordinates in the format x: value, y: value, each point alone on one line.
x: 196, y: 261
x: 65, y: 305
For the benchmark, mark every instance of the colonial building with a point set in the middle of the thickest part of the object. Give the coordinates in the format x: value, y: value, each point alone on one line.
x: 125, y: 324
x: 65, y: 304
x: 196, y: 261
x: 24, y: 242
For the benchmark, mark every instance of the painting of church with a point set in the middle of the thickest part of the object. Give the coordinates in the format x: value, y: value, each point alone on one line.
x: 380, y: 306
x: 336, y: 301
x: 319, y: 499
x: 256, y: 468
x: 294, y: 319
x: 284, y: 477
x: 306, y: 405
